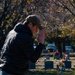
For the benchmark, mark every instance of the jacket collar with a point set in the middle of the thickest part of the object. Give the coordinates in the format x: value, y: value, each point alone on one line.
x: 20, y: 27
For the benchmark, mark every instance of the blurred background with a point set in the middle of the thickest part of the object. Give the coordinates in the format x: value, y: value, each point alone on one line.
x: 57, y: 17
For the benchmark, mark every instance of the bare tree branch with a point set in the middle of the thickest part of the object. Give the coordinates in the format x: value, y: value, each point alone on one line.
x: 71, y: 3
x: 65, y: 7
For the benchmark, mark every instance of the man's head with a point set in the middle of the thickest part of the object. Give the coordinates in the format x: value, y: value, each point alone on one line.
x: 34, y: 20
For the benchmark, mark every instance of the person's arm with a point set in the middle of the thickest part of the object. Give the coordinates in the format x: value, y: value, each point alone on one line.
x: 32, y: 54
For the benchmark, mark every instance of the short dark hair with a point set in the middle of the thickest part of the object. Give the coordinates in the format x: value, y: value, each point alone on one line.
x: 34, y: 20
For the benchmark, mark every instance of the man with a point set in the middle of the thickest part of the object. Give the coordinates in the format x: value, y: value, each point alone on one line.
x: 18, y: 48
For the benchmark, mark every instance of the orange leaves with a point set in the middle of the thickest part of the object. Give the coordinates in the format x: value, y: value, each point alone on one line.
x: 68, y: 30
x: 13, y: 0
x: 29, y: 1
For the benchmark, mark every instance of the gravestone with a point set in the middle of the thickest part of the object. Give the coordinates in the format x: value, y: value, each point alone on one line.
x: 31, y: 65
x: 49, y: 65
x: 67, y: 64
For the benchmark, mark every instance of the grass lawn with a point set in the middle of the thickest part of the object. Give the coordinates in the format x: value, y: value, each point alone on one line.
x: 49, y: 72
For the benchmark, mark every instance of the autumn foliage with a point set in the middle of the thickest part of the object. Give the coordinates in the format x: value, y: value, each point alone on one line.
x: 55, y: 15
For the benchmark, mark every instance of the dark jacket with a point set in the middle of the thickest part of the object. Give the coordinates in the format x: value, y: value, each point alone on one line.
x: 18, y: 50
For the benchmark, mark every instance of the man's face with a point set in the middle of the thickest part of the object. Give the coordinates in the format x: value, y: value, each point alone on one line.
x: 35, y: 29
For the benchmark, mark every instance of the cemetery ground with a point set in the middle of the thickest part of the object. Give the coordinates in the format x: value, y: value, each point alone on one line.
x: 50, y: 72
x: 40, y: 68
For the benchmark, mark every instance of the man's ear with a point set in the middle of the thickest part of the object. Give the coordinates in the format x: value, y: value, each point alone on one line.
x: 30, y: 24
